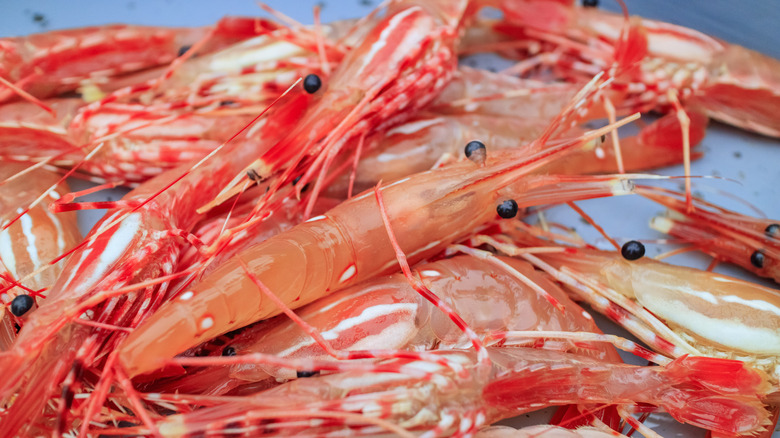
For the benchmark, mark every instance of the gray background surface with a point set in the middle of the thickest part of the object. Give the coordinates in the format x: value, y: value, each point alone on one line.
x: 749, y: 164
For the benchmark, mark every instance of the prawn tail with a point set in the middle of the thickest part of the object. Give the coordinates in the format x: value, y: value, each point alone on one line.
x: 719, y: 394
x: 723, y: 376
x: 716, y: 394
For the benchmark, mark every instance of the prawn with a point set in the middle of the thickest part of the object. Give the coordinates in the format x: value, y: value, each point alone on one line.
x: 671, y: 308
x: 425, y: 32
x: 431, y: 139
x: 435, y: 208
x: 728, y: 82
x: 432, y: 398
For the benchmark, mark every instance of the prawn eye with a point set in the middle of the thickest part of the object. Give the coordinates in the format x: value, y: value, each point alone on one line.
x: 252, y: 175
x: 590, y: 3
x: 773, y: 230
x: 229, y: 351
x: 475, y: 151
x: 312, y: 83
x: 757, y: 259
x: 183, y: 50
x: 302, y: 374
x: 21, y: 304
x: 507, y: 209
x: 632, y: 250
x: 295, y: 181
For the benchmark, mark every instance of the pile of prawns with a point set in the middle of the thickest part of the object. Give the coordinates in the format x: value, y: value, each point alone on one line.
x: 322, y: 235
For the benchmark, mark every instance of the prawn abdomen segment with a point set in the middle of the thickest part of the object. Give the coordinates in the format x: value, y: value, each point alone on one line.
x: 298, y: 267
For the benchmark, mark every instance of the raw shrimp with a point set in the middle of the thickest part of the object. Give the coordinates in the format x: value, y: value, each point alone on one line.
x: 730, y: 83
x: 386, y: 313
x: 749, y: 242
x: 675, y: 309
x: 434, y: 398
x: 349, y: 244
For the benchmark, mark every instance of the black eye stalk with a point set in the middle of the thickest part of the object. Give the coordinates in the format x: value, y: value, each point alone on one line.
x: 507, y: 209
x: 21, y: 304
x: 312, y: 83
x: 632, y: 250
x: 475, y: 151
x: 183, y: 50
x: 757, y: 259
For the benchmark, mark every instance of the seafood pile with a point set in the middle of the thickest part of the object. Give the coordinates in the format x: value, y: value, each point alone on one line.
x: 340, y: 229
